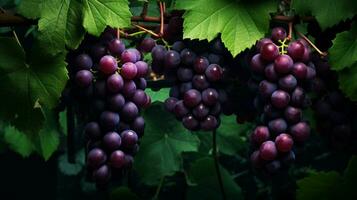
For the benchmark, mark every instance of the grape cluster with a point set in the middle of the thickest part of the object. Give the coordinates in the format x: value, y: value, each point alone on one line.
x: 108, y: 82
x: 283, y: 70
x: 194, y: 98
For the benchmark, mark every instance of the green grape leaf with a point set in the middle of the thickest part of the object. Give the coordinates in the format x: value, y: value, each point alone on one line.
x: 28, y: 83
x: 123, y: 193
x: 100, y: 13
x: 205, y: 182
x: 159, y: 96
x: 161, y: 146
x: 343, y: 52
x: 327, y: 12
x: 241, y: 23
x: 18, y: 141
x: 30, y: 8
x: 347, y: 81
x: 71, y: 169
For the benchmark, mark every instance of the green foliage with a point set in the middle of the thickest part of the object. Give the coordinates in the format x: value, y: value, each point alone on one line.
x: 241, y: 23
x: 347, y: 81
x: 123, y: 193
x: 327, y: 12
x: 30, y: 8
x: 205, y: 183
x: 159, y: 96
x: 161, y: 147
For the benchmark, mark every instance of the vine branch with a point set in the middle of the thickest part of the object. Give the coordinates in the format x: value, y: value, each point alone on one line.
x: 311, y: 44
x: 216, y: 163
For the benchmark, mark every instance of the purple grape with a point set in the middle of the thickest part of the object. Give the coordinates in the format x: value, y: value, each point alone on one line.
x: 170, y: 103
x: 84, y: 78
x: 214, y: 72
x: 257, y: 64
x: 267, y: 88
x: 306, y: 56
x: 268, y: 151
x: 292, y: 114
x: 214, y: 58
x: 138, y: 125
x: 200, y: 65
x: 311, y: 73
x: 184, y: 87
x: 115, y: 83
x: 129, y: 88
x: 270, y: 112
x: 158, y: 53
x: 280, y: 99
x: 190, y: 123
x: 100, y: 89
x: 187, y: 57
x: 129, y: 112
x: 172, y: 59
x: 256, y: 160
x: 83, y: 61
x: 296, y: 50
x: 284, y: 142
x: 130, y: 55
x: 209, y: 123
x: 141, y: 83
x: 128, y: 161
x: 108, y: 65
x: 95, y: 158
x: 178, y: 46
x: 180, y: 109
x: 142, y: 69
x: 300, y: 131
x: 283, y: 64
x: 117, y: 159
x: 216, y: 109
x: 273, y: 167
x: 278, y: 126
x: 184, y: 74
x: 299, y: 70
x: 109, y: 120
x: 260, y: 135
x: 217, y: 46
x: 98, y: 51
x: 200, y: 82
x: 270, y: 73
x: 298, y: 97
x: 129, y: 71
x: 129, y: 138
x: 200, y: 111
x: 192, y: 98
x: 116, y: 47
x: 278, y: 33
x: 262, y: 42
x: 210, y: 97
x: 139, y: 98
x: 112, y: 141
x: 92, y: 131
x: 102, y: 175
x: 269, y: 52
x: 288, y: 82
x: 116, y: 102
x: 147, y: 44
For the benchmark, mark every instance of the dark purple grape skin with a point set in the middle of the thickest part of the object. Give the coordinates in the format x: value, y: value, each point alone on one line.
x: 292, y: 114
x: 184, y: 74
x: 296, y: 50
x: 116, y: 102
x: 190, y: 122
x: 311, y: 73
x: 138, y: 125
x: 267, y: 88
x: 141, y: 83
x: 298, y: 97
x: 214, y: 72
x: 184, y: 87
x: 172, y: 59
x: 216, y: 109
x: 129, y: 112
x: 200, y: 112
x: 116, y: 47
x: 129, y: 71
x: 139, y: 98
x: 98, y: 51
x: 270, y: 112
x: 262, y: 42
x: 257, y: 64
x: 287, y: 83
x: 256, y: 160
x: 178, y: 46
x: 214, y: 58
x: 284, y: 142
x: 95, y: 158
x: 280, y: 99
x: 269, y: 52
x: 200, y: 65
x: 268, y: 151
x: 217, y: 46
x: 299, y: 70
x: 170, y: 103
x: 129, y: 160
x: 278, y: 33
x: 210, y: 96
x: 209, y: 123
x: 129, y: 138
x: 180, y: 109
x: 142, y: 69
x: 300, y: 131
x: 84, y: 78
x: 278, y: 126
x: 92, y: 131
x: 174, y: 91
x: 111, y: 141
x: 187, y: 57
x: 83, y: 61
x: 129, y: 89
x: 200, y: 82
x: 158, y: 53
x: 270, y: 73
x: 117, y: 159
x: 102, y: 175
x: 115, y: 83
x: 192, y: 98
x: 108, y: 65
x: 147, y: 45
x: 260, y: 135
x: 130, y: 55
x: 100, y: 89
x: 273, y: 167
x: 109, y: 120
x: 283, y: 64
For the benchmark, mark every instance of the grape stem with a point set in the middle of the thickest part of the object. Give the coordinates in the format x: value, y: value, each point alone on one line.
x: 13, y: 31
x: 144, y: 11
x: 311, y: 44
x: 216, y: 163
x: 146, y: 30
x: 158, y: 189
x: 290, y: 30
x: 161, y: 19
